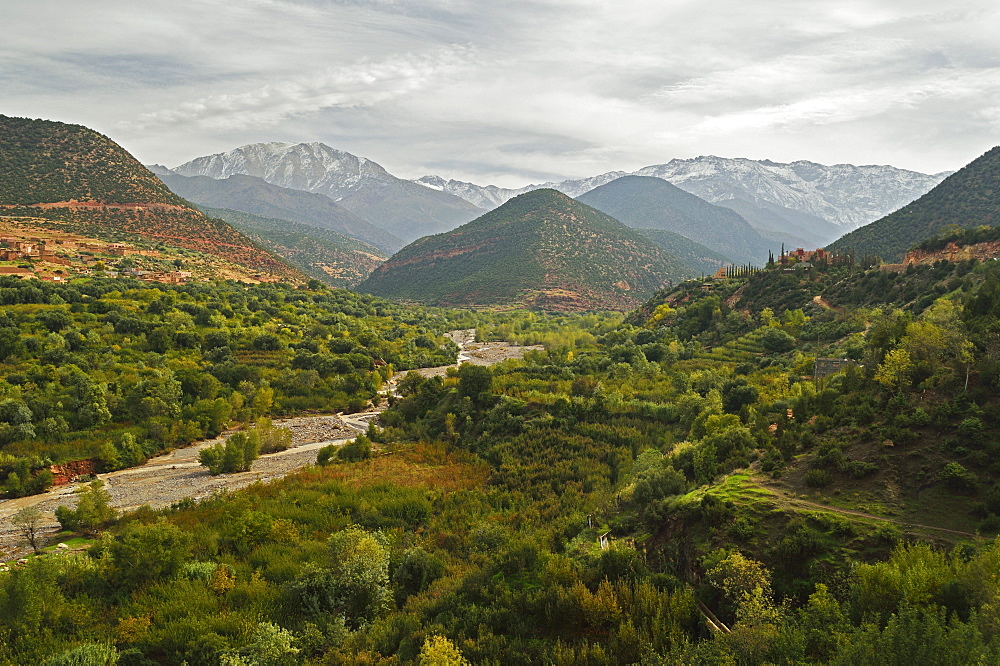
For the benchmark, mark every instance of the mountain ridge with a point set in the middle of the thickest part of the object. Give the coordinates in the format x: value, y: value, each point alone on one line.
x: 402, y: 207
x: 644, y: 202
x: 81, y: 180
x: 967, y: 198
x: 259, y: 197
x: 541, y: 249
x: 780, y: 193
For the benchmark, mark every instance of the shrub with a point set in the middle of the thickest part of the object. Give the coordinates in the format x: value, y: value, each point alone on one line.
x: 86, y: 654
x: 818, y: 478
x: 236, y: 454
x: 956, y: 477
x: 417, y: 570
x: 860, y: 469
x: 325, y: 454
x: 359, y: 449
x: 972, y: 428
x: 272, y: 438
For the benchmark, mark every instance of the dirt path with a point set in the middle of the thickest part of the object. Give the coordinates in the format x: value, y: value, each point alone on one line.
x: 784, y: 499
x: 177, y: 475
x: 823, y: 303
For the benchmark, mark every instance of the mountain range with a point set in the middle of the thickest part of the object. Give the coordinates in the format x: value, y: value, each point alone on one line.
x: 800, y: 204
x: 541, y: 249
x: 968, y: 198
x: 643, y: 202
x: 255, y: 195
x: 403, y: 208
x: 800, y: 200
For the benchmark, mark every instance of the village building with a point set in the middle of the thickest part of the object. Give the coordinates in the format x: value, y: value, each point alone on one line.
x: 824, y: 367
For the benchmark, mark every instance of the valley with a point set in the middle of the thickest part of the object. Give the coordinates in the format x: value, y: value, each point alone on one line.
x: 598, y: 430
x: 176, y: 476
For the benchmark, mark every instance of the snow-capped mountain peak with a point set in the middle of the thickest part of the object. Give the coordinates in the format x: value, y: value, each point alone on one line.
x: 315, y: 167
x: 845, y: 195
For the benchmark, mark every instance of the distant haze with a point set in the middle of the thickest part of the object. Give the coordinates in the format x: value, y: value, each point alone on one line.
x: 519, y: 92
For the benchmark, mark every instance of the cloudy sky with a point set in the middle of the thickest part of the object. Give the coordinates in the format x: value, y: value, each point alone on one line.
x: 519, y: 91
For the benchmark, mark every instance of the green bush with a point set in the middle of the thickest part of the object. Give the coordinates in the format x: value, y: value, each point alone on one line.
x: 359, y: 449
x: 956, y: 477
x: 236, y: 454
x: 818, y: 478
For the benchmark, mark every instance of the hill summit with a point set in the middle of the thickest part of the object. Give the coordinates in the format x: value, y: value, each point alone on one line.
x: 82, y: 181
x: 541, y: 249
x: 968, y: 198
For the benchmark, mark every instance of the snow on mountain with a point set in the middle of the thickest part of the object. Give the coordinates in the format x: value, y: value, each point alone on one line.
x: 847, y: 195
x: 843, y: 194
x: 489, y: 197
x: 402, y: 207
x: 314, y: 167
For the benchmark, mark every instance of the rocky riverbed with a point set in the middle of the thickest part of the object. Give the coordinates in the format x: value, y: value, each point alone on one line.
x: 177, y: 475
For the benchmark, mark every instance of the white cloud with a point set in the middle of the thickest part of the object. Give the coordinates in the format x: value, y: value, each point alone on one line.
x: 364, y: 83
x: 518, y: 91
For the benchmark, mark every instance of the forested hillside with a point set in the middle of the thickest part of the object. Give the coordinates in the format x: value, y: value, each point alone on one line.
x: 96, y: 363
x: 334, y: 258
x: 84, y: 182
x: 677, y: 488
x: 968, y: 198
x: 541, y: 250
x: 644, y: 202
x: 42, y: 161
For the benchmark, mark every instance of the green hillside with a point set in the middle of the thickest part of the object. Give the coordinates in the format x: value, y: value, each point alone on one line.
x: 701, y: 259
x: 259, y: 197
x: 969, y: 197
x: 674, y: 488
x: 643, y: 202
x: 541, y: 249
x: 333, y: 258
x: 42, y: 161
x: 83, y: 182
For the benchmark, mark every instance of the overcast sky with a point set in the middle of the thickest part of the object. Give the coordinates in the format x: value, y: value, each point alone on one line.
x: 518, y: 91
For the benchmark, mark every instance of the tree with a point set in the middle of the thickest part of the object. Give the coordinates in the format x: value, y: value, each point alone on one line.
x: 236, y: 454
x: 894, y: 371
x: 271, y: 646
x: 416, y: 571
x: 356, y: 582
x: 776, y: 341
x: 15, y: 421
x: 439, y: 651
x: 93, y: 510
x: 474, y: 381
x: 145, y: 553
x: 29, y: 520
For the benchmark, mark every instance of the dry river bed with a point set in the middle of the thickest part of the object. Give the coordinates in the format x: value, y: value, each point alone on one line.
x: 177, y: 475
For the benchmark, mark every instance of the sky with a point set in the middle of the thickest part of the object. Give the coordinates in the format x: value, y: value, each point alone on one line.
x: 519, y: 91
